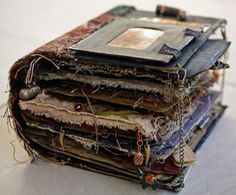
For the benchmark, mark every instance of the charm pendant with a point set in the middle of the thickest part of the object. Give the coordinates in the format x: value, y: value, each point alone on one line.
x: 147, y: 153
x: 138, y: 159
x: 149, y: 178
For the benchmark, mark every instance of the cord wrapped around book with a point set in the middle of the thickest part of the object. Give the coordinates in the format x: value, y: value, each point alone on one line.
x: 130, y: 94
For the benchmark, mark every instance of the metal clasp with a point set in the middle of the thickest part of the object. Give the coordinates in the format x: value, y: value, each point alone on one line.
x: 165, y: 49
x: 192, y: 32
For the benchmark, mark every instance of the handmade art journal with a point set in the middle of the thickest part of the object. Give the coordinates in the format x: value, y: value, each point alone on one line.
x: 131, y: 94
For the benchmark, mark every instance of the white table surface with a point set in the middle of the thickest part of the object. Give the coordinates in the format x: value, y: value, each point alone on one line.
x: 27, y: 24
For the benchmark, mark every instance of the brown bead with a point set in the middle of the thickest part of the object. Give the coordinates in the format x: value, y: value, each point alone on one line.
x: 138, y: 159
x: 78, y: 107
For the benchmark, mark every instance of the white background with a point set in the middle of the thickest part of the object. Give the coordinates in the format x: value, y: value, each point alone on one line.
x: 27, y: 24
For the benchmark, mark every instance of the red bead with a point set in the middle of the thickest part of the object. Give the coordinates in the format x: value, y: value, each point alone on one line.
x: 78, y: 107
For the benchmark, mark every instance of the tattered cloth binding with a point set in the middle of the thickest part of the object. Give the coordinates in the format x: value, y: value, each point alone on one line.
x: 131, y: 94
